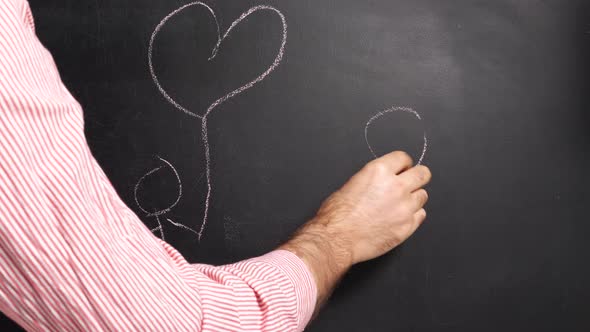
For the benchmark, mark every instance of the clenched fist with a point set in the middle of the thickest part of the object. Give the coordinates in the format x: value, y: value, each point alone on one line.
x: 379, y: 207
x: 375, y: 211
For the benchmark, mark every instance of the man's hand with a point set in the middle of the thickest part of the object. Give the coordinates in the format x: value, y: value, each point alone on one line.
x: 379, y: 207
x: 375, y: 211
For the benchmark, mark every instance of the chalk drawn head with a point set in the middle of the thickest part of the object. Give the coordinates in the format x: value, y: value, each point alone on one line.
x: 157, y: 214
x: 154, y: 212
x: 392, y: 110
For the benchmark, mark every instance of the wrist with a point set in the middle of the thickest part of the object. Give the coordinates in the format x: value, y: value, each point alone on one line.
x: 336, y: 244
x: 324, y: 244
x: 327, y: 255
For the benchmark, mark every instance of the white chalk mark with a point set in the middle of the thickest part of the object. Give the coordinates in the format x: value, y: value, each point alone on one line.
x: 157, y: 213
x: 391, y: 110
x: 220, y: 38
x: 182, y: 226
x: 139, y: 183
x: 161, y: 228
x: 151, y: 48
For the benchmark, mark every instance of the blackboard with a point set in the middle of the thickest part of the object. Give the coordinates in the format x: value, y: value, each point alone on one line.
x: 502, y: 91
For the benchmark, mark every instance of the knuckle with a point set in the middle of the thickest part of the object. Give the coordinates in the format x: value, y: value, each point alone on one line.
x: 378, y: 166
x: 370, y: 166
x: 420, y: 174
x: 403, y: 156
x: 417, y: 177
x: 421, y: 214
x: 425, y: 173
x: 423, y: 196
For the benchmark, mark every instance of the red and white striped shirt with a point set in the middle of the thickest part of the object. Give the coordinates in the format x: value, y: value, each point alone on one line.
x: 74, y: 257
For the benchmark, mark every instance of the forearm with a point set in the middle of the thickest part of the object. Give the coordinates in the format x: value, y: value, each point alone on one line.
x: 324, y: 252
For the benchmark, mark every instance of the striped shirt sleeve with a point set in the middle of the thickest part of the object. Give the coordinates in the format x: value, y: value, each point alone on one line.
x: 74, y: 257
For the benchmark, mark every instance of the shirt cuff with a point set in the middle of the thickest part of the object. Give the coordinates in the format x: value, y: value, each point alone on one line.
x: 303, y: 281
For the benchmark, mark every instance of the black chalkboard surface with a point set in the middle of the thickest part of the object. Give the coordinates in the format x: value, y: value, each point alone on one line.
x: 501, y: 88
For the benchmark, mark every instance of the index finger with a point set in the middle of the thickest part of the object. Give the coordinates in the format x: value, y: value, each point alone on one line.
x: 416, y: 177
x: 398, y: 161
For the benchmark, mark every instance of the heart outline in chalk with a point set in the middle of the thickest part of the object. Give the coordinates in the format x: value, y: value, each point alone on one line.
x: 214, y: 51
x: 224, y: 98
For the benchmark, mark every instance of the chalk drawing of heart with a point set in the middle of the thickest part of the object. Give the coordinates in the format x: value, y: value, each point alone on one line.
x: 392, y: 110
x: 219, y: 101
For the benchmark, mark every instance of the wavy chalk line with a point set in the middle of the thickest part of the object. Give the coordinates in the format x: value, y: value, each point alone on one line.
x: 391, y: 110
x: 204, y: 128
